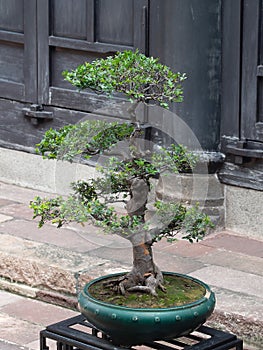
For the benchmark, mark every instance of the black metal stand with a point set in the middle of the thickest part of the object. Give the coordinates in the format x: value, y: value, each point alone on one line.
x: 77, y: 334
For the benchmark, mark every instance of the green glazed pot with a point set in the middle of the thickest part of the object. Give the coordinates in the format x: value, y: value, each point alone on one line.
x: 134, y: 326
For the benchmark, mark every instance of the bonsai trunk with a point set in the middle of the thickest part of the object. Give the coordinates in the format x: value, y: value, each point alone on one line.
x: 145, y: 275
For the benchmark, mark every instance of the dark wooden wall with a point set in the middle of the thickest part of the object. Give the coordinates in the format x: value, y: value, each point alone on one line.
x: 242, y: 93
x: 55, y: 35
x: 186, y: 35
x: 41, y: 38
x: 218, y: 43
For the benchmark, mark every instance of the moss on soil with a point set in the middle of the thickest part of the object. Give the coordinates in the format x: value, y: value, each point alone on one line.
x: 179, y: 291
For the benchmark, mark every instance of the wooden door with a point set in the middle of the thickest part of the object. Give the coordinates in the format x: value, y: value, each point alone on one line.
x: 18, y: 73
x: 251, y: 127
x: 39, y: 39
x: 242, y: 93
x: 75, y: 31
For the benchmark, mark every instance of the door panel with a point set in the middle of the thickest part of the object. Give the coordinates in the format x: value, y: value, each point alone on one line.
x: 69, y: 18
x: 11, y: 70
x: 251, y: 88
x: 73, y: 32
x: 118, y: 27
x: 39, y: 39
x: 242, y: 94
x: 259, y: 125
x: 11, y: 16
x: 18, y: 78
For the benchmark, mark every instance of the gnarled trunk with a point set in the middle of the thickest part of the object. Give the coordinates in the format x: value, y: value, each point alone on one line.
x: 145, y: 275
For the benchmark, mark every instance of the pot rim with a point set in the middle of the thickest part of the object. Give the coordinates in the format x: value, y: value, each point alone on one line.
x: 175, y: 308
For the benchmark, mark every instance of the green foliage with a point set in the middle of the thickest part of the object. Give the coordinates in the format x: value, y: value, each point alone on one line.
x: 175, y: 158
x: 88, y: 138
x: 135, y: 167
x: 141, y: 78
x: 47, y: 210
x: 117, y: 174
x: 192, y: 222
x: 196, y: 224
x: 83, y: 206
x: 86, y: 203
x: 52, y: 140
x: 85, y: 191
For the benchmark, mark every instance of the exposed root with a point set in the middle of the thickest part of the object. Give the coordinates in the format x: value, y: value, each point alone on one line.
x: 135, y: 282
x: 150, y: 286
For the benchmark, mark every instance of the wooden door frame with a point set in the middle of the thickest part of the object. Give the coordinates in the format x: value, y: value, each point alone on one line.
x: 250, y: 61
x: 46, y: 41
x: 241, y: 131
x: 26, y: 91
x: 240, y: 69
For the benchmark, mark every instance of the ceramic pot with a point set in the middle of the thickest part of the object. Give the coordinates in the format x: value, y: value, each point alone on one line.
x: 134, y: 326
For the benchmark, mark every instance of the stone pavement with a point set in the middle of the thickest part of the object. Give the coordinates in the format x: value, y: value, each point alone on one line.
x: 43, y: 268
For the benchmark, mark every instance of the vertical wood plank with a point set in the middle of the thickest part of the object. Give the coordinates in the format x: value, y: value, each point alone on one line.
x: 186, y: 35
x: 90, y: 21
x: 69, y: 18
x: 250, y: 56
x: 231, y: 63
x: 114, y: 22
x: 30, y: 50
x: 260, y: 83
x: 11, y: 18
x: 141, y: 25
x: 261, y: 34
x: 43, y: 7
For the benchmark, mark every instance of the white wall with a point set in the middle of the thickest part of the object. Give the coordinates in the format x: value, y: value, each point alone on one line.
x: 29, y: 170
x: 243, y: 207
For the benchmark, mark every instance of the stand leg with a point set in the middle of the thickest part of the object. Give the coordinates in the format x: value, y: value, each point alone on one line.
x: 43, y: 342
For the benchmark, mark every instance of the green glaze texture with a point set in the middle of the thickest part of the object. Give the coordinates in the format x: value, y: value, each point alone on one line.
x: 134, y: 326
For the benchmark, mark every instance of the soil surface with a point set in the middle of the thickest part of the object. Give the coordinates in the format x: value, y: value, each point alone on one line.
x: 179, y: 291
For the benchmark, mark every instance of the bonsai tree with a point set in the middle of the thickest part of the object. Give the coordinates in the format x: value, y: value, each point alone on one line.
x: 142, y: 79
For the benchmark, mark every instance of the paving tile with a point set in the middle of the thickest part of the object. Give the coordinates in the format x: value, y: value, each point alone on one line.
x: 88, y: 238
x: 248, y: 306
x: 236, y: 261
x: 51, y: 344
x: 63, y: 237
x: 122, y: 255
x: 8, y: 298
x: 4, y: 345
x: 18, y: 210
x: 177, y: 264
x: 5, y: 202
x: 4, y: 218
x: 184, y: 248
x: 236, y: 243
x: 18, y: 331
x: 37, y: 312
x: 19, y: 194
x: 234, y: 280
x: 34, y: 345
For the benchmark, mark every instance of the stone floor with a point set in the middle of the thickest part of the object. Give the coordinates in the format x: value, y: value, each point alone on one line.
x: 37, y: 266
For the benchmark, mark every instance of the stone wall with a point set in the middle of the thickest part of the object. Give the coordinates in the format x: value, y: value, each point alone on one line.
x: 234, y: 208
x: 244, y: 211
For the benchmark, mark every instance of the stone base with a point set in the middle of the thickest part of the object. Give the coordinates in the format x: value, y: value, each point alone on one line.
x: 235, y: 208
x: 35, y: 267
x: 204, y: 189
x: 244, y: 211
x: 30, y: 170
